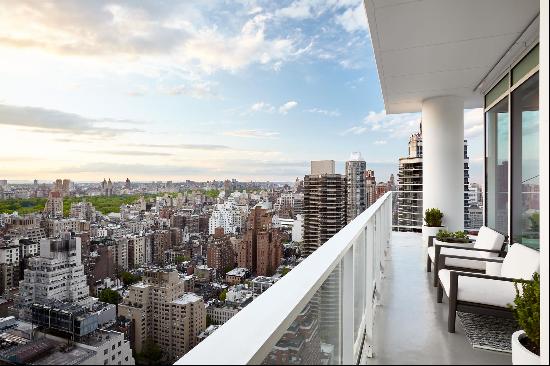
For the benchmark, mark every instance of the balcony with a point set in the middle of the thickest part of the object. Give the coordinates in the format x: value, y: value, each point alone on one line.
x: 362, y: 297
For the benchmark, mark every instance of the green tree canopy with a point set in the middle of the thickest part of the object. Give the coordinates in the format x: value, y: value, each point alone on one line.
x: 110, y: 296
x: 129, y: 278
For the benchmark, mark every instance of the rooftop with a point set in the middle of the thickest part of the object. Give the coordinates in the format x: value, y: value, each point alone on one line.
x: 187, y: 298
x: 240, y: 272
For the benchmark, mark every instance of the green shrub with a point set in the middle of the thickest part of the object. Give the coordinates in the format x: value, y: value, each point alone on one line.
x: 433, y: 217
x: 526, y: 308
x: 457, y: 236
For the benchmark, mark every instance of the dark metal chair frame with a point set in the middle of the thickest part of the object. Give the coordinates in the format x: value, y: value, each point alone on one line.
x: 468, y: 307
x: 501, y: 253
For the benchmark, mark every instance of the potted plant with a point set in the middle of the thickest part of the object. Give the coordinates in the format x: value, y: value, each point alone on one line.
x: 457, y: 237
x: 526, y: 308
x: 432, y: 224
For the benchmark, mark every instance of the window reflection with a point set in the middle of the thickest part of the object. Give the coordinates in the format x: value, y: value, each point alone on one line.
x: 525, y: 157
x: 497, y: 166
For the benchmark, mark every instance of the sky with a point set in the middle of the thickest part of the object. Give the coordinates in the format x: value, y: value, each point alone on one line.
x: 200, y: 90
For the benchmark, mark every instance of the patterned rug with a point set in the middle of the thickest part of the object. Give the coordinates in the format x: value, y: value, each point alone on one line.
x: 488, y: 332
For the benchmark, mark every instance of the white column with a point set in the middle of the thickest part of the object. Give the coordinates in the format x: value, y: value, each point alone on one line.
x: 443, y: 158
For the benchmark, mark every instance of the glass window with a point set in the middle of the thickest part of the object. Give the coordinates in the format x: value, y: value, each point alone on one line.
x: 498, y: 129
x: 528, y: 63
x: 497, y: 91
x: 525, y: 162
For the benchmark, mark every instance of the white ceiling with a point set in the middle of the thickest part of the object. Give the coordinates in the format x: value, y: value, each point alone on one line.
x: 428, y: 48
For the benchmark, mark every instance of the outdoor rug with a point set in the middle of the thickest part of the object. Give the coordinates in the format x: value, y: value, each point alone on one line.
x: 488, y: 332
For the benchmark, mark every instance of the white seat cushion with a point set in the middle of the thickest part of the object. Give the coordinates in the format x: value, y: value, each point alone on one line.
x: 520, y: 262
x: 480, y: 290
x: 460, y: 263
x: 488, y: 239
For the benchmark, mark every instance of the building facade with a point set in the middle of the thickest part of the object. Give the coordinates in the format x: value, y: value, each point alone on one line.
x: 356, y: 200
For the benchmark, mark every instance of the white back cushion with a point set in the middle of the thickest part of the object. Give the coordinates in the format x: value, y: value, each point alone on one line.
x: 490, y: 240
x: 521, y: 262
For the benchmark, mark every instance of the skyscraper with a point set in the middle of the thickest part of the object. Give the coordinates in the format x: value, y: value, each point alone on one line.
x: 370, y: 187
x: 324, y: 204
x: 410, y: 197
x: 356, y: 193
x: 261, y: 248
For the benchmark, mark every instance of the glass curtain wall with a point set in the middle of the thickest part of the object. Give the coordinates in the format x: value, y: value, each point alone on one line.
x: 512, y: 153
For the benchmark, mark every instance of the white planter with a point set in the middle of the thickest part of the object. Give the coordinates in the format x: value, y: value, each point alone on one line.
x: 428, y: 231
x: 520, y: 354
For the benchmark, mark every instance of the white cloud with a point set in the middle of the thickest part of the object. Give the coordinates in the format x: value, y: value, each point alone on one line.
x: 473, y: 123
x: 353, y: 19
x: 197, y: 89
x: 355, y: 130
x: 285, y: 108
x: 380, y: 142
x: 151, y: 35
x: 333, y: 113
x: 262, y: 107
x: 265, y: 107
x: 258, y: 134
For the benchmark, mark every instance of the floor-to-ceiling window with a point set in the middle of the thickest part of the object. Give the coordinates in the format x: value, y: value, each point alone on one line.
x: 525, y: 169
x: 498, y: 130
x: 512, y: 152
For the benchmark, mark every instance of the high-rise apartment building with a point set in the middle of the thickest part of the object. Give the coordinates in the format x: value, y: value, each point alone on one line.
x: 164, y: 312
x: 356, y: 200
x: 324, y: 205
x: 370, y: 188
x: 220, y: 254
x: 261, y: 248
x: 56, y: 274
x: 410, y: 214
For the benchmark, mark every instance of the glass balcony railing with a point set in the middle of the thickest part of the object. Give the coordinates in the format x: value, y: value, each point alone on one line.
x: 321, y: 312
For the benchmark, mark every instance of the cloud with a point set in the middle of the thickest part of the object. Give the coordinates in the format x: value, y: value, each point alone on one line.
x: 53, y: 121
x: 285, y: 108
x: 258, y: 134
x: 269, y: 108
x: 138, y: 169
x: 262, y: 107
x: 473, y: 123
x: 306, y: 9
x: 187, y: 146
x: 197, y: 89
x: 380, y: 142
x: 355, y: 130
x: 333, y: 113
x: 132, y: 153
x: 393, y: 126
x: 353, y: 19
x: 182, y: 36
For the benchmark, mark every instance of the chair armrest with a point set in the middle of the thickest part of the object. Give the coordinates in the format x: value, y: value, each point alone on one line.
x: 441, y: 259
x: 480, y: 275
x: 470, y: 248
x: 443, y: 256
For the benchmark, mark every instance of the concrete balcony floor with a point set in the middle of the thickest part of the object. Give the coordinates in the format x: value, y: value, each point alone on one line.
x: 410, y: 326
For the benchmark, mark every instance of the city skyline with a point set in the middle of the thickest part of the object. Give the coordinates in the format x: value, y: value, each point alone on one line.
x: 182, y: 91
